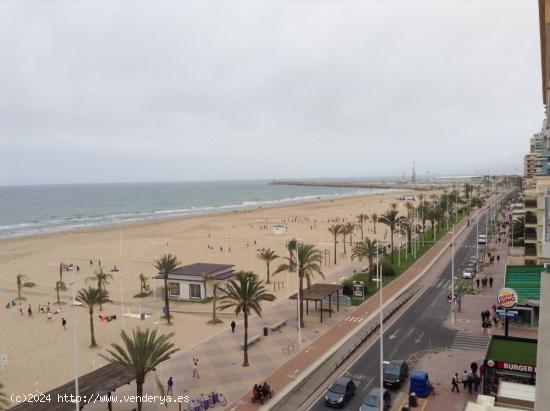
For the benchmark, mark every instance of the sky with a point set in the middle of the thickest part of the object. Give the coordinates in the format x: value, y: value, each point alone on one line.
x: 129, y: 91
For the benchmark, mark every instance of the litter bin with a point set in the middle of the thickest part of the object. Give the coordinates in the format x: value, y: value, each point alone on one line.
x: 413, y: 401
x: 265, y: 331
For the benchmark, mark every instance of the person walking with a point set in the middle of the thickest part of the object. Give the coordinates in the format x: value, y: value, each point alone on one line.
x: 491, y: 282
x: 465, y: 379
x: 170, y: 384
x: 498, y: 258
x: 455, y: 383
x: 477, y: 282
x: 196, y: 368
x: 233, y: 325
x: 476, y: 382
x: 469, y: 383
x: 29, y: 311
x: 64, y: 323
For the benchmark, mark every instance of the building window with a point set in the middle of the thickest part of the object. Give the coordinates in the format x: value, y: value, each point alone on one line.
x: 195, y: 291
x: 174, y: 289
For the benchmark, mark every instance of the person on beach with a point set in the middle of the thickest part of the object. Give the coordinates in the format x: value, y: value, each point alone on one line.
x: 233, y: 325
x: 455, y: 383
x: 29, y: 311
x: 48, y: 308
x: 170, y: 384
x: 196, y: 368
x: 49, y: 318
x: 64, y: 323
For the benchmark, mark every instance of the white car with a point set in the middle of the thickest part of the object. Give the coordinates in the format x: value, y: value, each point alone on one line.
x: 482, y: 239
x: 468, y: 273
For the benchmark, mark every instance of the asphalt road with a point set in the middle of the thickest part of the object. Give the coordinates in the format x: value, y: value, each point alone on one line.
x: 419, y: 328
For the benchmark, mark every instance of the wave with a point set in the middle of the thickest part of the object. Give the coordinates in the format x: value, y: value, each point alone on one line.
x: 76, y: 222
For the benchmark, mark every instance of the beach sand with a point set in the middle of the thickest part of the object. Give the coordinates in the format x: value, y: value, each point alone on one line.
x: 40, y: 354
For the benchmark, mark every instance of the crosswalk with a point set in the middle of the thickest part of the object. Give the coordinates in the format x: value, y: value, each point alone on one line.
x: 443, y: 283
x: 354, y: 319
x: 471, y: 342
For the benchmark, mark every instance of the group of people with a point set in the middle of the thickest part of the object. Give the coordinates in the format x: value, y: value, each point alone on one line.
x: 45, y: 310
x: 470, y: 380
x: 486, y: 319
x: 261, y: 392
x: 484, y: 281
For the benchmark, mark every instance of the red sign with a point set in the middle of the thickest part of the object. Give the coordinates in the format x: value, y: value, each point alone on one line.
x: 503, y: 365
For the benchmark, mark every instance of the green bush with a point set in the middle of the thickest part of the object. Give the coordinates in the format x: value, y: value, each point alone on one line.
x: 388, y: 268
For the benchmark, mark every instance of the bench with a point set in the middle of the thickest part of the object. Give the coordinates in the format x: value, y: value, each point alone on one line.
x: 276, y: 326
x: 251, y: 340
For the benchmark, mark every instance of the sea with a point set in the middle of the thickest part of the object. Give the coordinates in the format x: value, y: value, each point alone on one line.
x: 41, y: 209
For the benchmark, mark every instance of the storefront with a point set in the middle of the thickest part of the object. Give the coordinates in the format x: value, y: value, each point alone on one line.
x: 525, y: 280
x: 509, y: 359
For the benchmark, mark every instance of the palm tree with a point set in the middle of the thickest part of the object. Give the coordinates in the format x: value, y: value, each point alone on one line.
x: 4, y: 399
x: 245, y: 294
x: 335, y: 231
x: 205, y: 279
x: 361, y: 218
x: 267, y: 255
x: 90, y: 297
x: 141, y: 354
x: 366, y: 248
x: 406, y: 228
x: 390, y: 218
x: 166, y: 265
x: 291, y: 247
x: 344, y: 231
x: 350, y: 228
x: 215, y: 289
x: 58, y: 286
x: 309, y: 263
x: 374, y: 218
x: 143, y: 285
x: 22, y: 279
x: 102, y: 279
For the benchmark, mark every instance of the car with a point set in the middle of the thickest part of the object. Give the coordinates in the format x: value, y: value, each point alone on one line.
x: 372, y: 401
x: 468, y: 273
x: 395, y: 373
x: 482, y: 239
x: 340, y: 392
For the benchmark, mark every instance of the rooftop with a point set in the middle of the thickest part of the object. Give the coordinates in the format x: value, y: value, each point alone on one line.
x: 514, y: 350
x: 215, y: 271
x: 318, y: 292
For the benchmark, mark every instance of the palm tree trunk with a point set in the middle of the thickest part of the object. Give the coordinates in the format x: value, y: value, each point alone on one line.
x: 99, y: 289
x: 245, y: 348
x: 344, y: 238
x: 19, y: 291
x: 214, y: 306
x: 362, y: 237
x: 166, y: 301
x: 391, y: 233
x: 57, y: 291
x: 334, y: 253
x: 371, y: 268
x: 268, y: 280
x: 92, y: 335
x: 139, y: 393
x: 301, y: 308
x: 374, y: 228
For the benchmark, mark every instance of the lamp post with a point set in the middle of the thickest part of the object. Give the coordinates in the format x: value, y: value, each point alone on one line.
x: 380, y: 320
x: 298, y: 297
x: 453, y: 316
x: 75, y: 346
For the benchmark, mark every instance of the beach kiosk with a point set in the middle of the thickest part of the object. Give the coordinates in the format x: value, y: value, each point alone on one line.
x: 279, y: 229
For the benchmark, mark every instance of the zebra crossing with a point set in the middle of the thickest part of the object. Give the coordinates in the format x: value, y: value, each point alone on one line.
x: 354, y: 319
x: 471, y: 342
x: 443, y: 283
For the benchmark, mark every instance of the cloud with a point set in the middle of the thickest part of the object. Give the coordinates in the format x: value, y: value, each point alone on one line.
x: 152, y: 91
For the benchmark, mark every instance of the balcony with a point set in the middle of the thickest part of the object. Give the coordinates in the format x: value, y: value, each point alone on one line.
x: 531, y: 204
x: 530, y: 218
x: 530, y: 234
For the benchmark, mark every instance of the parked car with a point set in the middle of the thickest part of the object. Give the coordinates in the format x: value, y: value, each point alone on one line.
x: 395, y: 373
x: 482, y: 239
x: 372, y: 401
x: 340, y: 392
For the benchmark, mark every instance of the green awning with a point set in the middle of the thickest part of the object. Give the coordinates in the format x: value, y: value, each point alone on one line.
x: 525, y: 279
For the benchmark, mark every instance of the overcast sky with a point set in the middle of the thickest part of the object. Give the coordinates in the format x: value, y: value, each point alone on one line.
x: 178, y: 90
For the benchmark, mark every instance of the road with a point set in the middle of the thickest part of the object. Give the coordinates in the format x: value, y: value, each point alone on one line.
x: 419, y: 328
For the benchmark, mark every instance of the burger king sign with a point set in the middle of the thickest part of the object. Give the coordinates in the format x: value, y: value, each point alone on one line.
x: 507, y: 298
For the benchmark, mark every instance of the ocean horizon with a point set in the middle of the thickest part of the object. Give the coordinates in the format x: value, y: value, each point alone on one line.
x: 41, y: 209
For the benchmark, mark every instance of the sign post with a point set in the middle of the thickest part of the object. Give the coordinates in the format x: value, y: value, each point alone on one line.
x: 359, y: 290
x: 507, y: 298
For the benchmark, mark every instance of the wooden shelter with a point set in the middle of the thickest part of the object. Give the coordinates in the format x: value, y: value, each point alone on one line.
x: 318, y: 292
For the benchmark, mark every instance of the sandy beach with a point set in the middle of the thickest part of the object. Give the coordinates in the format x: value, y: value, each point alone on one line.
x: 40, y: 353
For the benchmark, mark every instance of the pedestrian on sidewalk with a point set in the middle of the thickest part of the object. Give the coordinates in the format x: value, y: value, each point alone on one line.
x: 477, y: 383
x: 491, y: 282
x: 170, y: 384
x: 196, y: 368
x: 470, y: 382
x: 477, y: 282
x: 233, y: 325
x: 465, y: 379
x: 455, y: 383
x: 498, y: 258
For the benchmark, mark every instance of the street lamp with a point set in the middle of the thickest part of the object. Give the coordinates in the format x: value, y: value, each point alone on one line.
x: 75, y: 345
x: 380, y: 320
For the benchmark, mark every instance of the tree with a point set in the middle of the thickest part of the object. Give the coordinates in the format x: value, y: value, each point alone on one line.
x: 366, y: 248
x: 350, y: 228
x: 166, y: 265
x: 141, y: 354
x: 143, y: 283
x: 102, y: 279
x: 245, y: 294
x: 374, y: 218
x: 390, y: 218
x: 267, y: 255
x: 335, y: 231
x: 406, y: 228
x: 4, y: 399
x: 90, y: 297
x: 309, y: 263
x: 22, y: 279
x: 362, y: 218
x: 344, y: 231
x: 215, y: 289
